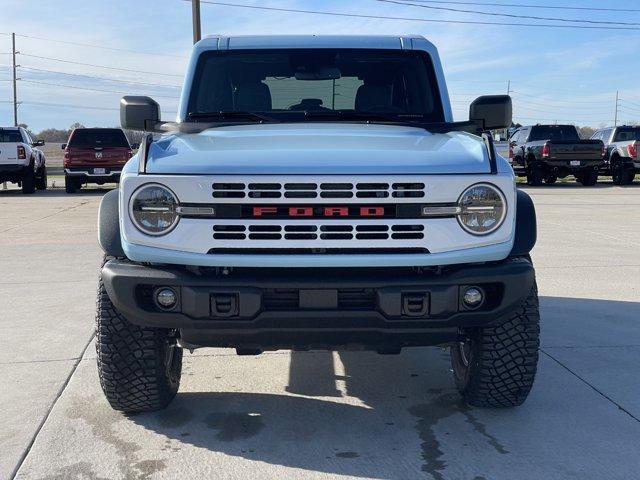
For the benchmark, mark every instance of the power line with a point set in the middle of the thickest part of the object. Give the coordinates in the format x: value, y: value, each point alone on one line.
x: 100, y: 66
x: 412, y: 19
x: 508, y: 15
x: 61, y: 105
x: 110, y: 79
x: 87, y: 88
x: 537, y: 6
x: 594, y: 102
x: 99, y: 46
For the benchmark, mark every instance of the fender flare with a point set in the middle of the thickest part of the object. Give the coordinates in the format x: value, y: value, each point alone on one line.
x: 109, y: 224
x: 526, y: 226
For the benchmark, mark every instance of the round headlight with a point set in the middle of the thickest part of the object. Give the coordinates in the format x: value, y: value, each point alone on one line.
x: 482, y: 209
x: 153, y: 209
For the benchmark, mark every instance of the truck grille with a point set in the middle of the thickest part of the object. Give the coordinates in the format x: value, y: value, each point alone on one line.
x: 292, y: 214
x: 326, y: 233
x: 304, y: 190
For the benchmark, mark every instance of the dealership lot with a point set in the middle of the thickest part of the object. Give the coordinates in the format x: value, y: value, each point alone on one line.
x: 318, y: 414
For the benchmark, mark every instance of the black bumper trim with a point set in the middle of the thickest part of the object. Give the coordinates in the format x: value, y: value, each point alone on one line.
x: 508, y: 284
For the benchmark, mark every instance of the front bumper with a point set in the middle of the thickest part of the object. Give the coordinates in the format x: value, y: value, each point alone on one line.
x: 318, y: 308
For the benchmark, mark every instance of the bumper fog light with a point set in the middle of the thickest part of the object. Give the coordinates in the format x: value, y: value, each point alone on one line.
x: 166, y: 298
x: 472, y: 297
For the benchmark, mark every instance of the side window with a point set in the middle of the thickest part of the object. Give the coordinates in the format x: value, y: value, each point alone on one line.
x: 606, y: 135
x: 597, y: 135
x: 524, y: 134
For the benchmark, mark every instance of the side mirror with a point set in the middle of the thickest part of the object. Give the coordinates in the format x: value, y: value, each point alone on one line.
x: 63, y: 146
x: 135, y: 146
x: 139, y: 113
x: 38, y: 143
x: 491, y: 112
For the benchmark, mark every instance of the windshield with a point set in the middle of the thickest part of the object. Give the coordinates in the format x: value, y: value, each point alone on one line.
x: 10, y: 136
x: 627, y: 134
x: 553, y: 132
x: 286, y: 84
x: 98, y: 137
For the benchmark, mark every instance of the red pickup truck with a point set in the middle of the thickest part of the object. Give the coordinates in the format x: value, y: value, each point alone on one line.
x: 94, y: 155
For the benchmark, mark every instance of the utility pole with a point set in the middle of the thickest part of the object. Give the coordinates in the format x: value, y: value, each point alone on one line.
x: 615, y: 122
x: 508, y: 87
x: 195, y: 13
x: 15, y: 92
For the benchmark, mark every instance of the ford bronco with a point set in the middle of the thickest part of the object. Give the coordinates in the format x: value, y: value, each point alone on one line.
x: 314, y: 192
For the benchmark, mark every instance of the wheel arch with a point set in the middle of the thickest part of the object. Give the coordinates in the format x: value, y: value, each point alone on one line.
x: 526, y: 225
x: 109, y: 224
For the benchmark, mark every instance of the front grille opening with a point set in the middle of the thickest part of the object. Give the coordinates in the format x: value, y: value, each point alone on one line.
x: 228, y: 186
x: 372, y: 236
x: 228, y: 194
x: 372, y: 186
x: 336, y: 186
x: 265, y: 228
x: 301, y: 194
x: 372, y: 228
x: 264, y: 186
x: 336, y: 228
x: 279, y: 299
x: 267, y: 194
x: 265, y: 236
x: 336, y: 236
x: 337, y: 194
x: 300, y: 186
x: 300, y: 236
x: 373, y: 194
x: 407, y: 236
x: 229, y: 228
x: 408, y: 186
x: 229, y: 236
x: 407, y: 228
x: 300, y: 228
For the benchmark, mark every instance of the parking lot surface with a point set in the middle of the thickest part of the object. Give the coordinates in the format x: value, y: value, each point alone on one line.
x: 324, y: 415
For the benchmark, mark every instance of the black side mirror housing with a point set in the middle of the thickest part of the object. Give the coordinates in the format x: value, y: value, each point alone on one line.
x: 491, y: 112
x: 38, y: 143
x: 139, y: 113
x: 63, y: 146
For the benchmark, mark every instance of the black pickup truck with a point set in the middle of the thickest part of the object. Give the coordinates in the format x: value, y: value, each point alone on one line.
x: 544, y: 153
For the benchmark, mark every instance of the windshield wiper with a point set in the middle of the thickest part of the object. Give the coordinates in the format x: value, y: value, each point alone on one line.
x: 251, y: 116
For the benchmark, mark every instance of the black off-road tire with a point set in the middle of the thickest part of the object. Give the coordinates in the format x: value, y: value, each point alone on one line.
x: 70, y: 185
x: 41, y: 180
x: 550, y: 180
x: 139, y: 367
x: 620, y: 174
x: 587, y: 179
x: 29, y: 181
x: 535, y: 174
x: 496, y: 366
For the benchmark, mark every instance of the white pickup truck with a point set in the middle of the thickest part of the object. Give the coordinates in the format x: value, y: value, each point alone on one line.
x: 315, y: 193
x: 20, y: 161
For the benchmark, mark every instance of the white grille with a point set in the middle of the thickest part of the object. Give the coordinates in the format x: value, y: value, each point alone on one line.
x: 318, y: 234
x: 309, y: 190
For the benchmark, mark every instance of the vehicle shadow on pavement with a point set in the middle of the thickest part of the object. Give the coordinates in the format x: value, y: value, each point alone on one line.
x: 366, y: 415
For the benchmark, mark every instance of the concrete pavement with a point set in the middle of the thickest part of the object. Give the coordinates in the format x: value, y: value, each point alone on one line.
x: 318, y: 414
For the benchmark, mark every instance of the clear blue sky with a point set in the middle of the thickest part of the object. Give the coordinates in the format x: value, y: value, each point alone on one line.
x: 568, y: 75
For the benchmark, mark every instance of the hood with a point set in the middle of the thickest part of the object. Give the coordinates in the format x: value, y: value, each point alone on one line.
x: 318, y: 148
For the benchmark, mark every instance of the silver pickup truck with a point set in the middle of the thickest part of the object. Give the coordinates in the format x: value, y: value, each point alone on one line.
x: 622, y: 160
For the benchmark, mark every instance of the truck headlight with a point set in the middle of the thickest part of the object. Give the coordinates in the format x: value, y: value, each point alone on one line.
x: 482, y: 209
x: 153, y: 209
